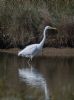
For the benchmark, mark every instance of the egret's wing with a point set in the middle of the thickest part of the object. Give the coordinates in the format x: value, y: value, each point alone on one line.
x: 29, y: 49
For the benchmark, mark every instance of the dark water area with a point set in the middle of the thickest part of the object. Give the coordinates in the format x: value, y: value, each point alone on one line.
x: 45, y: 78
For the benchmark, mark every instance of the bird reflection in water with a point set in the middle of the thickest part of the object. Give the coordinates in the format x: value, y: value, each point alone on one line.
x: 32, y: 77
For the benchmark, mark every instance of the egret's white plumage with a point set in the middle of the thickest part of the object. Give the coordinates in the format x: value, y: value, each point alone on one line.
x: 32, y: 50
x: 29, y: 51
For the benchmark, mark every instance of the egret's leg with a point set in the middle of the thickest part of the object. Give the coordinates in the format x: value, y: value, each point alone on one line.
x: 31, y: 58
x: 30, y: 64
x: 29, y: 61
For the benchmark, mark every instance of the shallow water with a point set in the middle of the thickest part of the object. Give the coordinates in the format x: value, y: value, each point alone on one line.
x: 45, y: 78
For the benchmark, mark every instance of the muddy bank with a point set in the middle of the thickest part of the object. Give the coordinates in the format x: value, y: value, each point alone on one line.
x: 46, y: 51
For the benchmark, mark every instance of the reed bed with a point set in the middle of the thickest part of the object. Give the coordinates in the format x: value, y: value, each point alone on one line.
x: 22, y: 22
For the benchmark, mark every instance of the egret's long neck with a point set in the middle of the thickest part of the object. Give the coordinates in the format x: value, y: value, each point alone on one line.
x: 44, y: 37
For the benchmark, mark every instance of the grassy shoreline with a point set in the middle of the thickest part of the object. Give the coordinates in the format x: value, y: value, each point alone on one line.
x: 58, y: 52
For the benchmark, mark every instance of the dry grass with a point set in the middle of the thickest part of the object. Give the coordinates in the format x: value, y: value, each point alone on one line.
x: 22, y: 22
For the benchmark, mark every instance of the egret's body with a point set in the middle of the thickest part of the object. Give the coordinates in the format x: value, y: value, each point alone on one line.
x: 32, y: 50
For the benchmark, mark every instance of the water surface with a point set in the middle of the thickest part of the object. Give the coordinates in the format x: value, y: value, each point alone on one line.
x: 45, y: 78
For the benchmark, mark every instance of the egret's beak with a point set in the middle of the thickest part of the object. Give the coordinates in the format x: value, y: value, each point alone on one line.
x: 53, y: 28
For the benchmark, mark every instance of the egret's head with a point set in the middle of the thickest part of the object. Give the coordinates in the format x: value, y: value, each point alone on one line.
x: 49, y: 27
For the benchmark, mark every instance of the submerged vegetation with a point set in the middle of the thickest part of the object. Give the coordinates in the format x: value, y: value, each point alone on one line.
x: 22, y: 22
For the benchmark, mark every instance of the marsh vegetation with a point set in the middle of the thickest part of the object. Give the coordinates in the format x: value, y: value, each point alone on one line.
x: 22, y: 22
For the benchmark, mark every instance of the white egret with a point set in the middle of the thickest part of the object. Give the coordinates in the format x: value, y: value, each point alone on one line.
x: 32, y: 50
